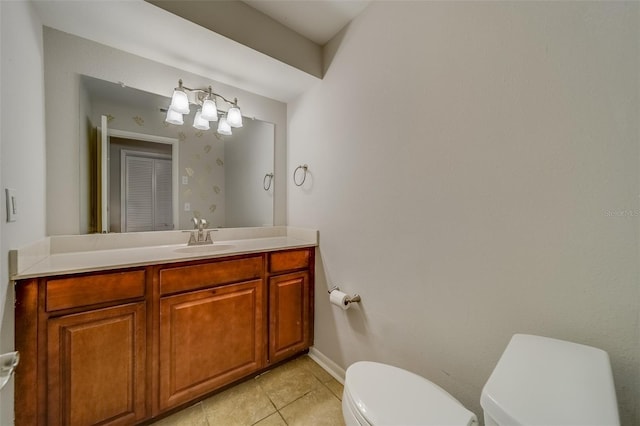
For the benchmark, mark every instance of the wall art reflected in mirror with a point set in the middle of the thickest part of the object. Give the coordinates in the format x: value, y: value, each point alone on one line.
x: 145, y: 174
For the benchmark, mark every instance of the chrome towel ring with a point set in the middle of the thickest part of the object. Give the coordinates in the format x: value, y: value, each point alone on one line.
x: 266, y: 182
x: 304, y: 175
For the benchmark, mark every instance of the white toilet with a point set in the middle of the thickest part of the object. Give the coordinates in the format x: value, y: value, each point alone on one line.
x: 537, y: 381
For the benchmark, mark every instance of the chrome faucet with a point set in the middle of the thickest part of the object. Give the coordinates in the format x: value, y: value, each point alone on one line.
x: 200, y: 235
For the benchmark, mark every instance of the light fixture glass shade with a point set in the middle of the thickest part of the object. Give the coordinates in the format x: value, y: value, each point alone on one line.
x: 174, y: 117
x: 234, y: 117
x: 223, y: 126
x: 209, y: 110
x: 180, y: 102
x: 199, y: 122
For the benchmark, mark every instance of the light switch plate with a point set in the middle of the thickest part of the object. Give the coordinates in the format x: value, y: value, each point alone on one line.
x: 185, y: 180
x: 12, y: 205
x: 187, y: 207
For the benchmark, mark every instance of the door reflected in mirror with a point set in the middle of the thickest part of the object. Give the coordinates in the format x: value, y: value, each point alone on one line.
x: 146, y: 174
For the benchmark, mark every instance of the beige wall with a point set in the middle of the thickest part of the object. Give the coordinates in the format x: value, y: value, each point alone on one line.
x: 66, y: 57
x: 22, y: 155
x: 474, y: 174
x: 246, y: 162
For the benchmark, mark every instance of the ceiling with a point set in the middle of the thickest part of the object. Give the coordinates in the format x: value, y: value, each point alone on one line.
x: 317, y: 20
x: 120, y: 94
x: 174, y: 41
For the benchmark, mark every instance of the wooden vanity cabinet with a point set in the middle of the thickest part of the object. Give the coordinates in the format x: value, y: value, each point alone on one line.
x: 122, y: 347
x: 83, y: 349
x: 290, y: 303
x: 214, y: 335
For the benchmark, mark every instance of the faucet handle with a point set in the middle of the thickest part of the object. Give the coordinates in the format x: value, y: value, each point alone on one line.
x: 204, y: 223
x: 196, y: 222
x: 192, y: 237
x: 208, y: 238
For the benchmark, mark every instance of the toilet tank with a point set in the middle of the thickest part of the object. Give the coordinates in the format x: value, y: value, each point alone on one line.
x: 543, y: 381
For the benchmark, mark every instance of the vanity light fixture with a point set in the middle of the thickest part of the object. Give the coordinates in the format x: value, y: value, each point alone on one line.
x: 174, y: 117
x: 199, y: 122
x: 234, y: 116
x: 208, y: 111
x: 180, y: 100
x: 224, y: 128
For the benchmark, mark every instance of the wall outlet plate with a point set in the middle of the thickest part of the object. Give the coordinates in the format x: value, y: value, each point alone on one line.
x: 12, y: 204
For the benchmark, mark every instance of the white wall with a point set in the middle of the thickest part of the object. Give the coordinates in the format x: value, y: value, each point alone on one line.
x: 474, y: 174
x: 87, y: 182
x: 22, y: 154
x: 245, y: 165
x: 66, y: 57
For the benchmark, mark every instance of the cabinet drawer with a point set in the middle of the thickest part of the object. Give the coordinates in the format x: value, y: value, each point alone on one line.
x: 288, y: 260
x: 174, y: 280
x: 73, y: 292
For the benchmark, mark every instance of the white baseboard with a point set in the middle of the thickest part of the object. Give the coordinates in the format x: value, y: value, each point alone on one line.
x: 325, y: 362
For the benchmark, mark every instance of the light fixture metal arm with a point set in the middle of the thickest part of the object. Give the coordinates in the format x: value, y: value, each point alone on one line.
x: 207, y: 91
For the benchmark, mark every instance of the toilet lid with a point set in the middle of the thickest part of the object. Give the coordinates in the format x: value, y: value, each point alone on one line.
x: 387, y: 395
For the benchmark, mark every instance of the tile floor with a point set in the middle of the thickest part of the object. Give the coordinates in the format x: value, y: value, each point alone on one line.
x: 299, y: 392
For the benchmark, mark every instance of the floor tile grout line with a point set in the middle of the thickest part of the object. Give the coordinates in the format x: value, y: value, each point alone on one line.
x: 331, y: 392
x: 272, y: 403
x: 283, y: 419
x: 300, y: 397
x: 261, y: 419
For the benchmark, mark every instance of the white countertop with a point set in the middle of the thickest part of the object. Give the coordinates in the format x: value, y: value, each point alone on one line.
x: 74, y: 254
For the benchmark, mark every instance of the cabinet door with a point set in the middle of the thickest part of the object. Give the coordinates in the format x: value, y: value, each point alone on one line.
x: 209, y: 338
x: 97, y: 367
x: 288, y: 315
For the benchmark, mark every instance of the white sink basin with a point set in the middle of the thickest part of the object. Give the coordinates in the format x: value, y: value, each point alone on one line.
x: 211, y: 248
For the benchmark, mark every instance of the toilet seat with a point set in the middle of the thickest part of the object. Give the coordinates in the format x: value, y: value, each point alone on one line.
x: 380, y: 394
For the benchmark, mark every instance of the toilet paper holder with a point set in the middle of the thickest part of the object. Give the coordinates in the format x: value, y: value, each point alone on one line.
x: 351, y: 299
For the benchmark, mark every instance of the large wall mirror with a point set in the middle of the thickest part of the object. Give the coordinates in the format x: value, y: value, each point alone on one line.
x: 144, y: 174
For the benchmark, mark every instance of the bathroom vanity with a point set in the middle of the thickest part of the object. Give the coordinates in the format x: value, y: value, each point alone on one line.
x: 128, y: 342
